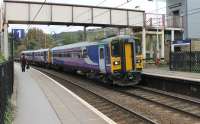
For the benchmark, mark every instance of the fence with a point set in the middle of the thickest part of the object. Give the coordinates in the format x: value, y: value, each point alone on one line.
x: 185, y: 61
x: 6, y: 86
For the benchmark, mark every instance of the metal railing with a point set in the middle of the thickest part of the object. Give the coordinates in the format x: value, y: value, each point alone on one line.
x: 154, y: 20
x: 162, y: 20
x: 174, y: 22
x: 6, y: 86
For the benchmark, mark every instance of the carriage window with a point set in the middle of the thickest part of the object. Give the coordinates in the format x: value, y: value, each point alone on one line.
x: 59, y: 55
x: 68, y: 55
x: 115, y: 49
x: 107, y: 55
x: 84, y: 53
x: 101, y: 53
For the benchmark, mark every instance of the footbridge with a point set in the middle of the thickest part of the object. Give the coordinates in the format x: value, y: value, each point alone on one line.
x: 26, y: 12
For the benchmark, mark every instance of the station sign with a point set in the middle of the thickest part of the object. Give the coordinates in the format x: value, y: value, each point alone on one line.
x: 18, y: 34
x: 182, y: 42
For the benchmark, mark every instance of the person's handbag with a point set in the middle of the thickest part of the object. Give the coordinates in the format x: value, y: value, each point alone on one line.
x: 27, y: 66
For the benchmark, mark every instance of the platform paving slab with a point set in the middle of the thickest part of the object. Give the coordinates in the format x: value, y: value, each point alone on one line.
x: 165, y: 72
x: 66, y: 107
x: 32, y: 106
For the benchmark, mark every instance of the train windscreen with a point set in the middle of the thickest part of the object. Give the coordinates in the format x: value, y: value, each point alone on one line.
x: 115, y: 49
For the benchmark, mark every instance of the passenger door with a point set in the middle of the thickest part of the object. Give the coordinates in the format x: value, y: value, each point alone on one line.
x: 129, y: 56
x: 102, y: 65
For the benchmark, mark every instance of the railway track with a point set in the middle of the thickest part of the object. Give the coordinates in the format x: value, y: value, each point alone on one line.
x: 116, y: 112
x: 126, y: 98
x: 179, y: 103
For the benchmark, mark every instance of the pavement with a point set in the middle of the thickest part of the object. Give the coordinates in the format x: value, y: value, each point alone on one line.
x: 42, y: 100
x: 32, y: 105
x: 165, y: 72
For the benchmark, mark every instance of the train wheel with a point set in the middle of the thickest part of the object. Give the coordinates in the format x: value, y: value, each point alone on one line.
x: 106, y: 79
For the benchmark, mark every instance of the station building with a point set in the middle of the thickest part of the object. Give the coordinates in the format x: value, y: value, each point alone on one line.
x: 157, y: 34
x: 189, y: 11
x: 181, y: 21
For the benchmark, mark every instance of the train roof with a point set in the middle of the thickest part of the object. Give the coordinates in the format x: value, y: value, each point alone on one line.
x: 83, y: 44
x: 41, y: 50
x: 116, y: 37
x: 30, y: 51
x: 87, y: 43
x: 27, y: 51
x: 75, y: 45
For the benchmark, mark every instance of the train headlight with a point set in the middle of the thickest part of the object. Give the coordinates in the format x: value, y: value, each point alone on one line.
x: 116, y: 63
x: 138, y: 61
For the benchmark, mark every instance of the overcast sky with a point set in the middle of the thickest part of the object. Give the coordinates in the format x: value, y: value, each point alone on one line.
x: 148, y: 6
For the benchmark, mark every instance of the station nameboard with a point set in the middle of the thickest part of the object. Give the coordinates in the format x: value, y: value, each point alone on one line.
x: 18, y: 34
x: 179, y: 42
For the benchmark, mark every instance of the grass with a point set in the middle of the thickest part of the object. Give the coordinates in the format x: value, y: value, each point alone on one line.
x: 2, y: 58
x: 9, y: 116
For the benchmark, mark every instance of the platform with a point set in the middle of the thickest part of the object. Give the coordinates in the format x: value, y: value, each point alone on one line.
x: 165, y: 72
x: 42, y: 100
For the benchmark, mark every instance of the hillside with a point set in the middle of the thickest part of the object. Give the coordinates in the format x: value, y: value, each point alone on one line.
x: 78, y: 36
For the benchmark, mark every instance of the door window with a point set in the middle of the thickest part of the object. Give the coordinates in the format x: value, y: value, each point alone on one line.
x: 101, y: 53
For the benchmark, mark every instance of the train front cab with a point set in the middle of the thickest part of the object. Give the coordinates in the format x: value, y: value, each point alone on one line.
x: 123, y: 62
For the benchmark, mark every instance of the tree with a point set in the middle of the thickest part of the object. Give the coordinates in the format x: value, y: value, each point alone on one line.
x: 35, y: 39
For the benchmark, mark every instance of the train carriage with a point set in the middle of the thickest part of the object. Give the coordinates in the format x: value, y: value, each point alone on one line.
x: 123, y: 60
x: 41, y: 56
x: 75, y: 56
x: 113, y: 60
x: 28, y: 55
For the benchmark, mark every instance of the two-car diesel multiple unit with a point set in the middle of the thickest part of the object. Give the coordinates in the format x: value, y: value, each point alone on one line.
x: 111, y: 60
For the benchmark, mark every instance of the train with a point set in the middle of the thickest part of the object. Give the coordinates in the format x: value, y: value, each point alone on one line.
x: 113, y: 60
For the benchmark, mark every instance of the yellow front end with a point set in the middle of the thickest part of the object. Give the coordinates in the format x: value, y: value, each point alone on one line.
x: 139, y: 62
x: 116, y: 64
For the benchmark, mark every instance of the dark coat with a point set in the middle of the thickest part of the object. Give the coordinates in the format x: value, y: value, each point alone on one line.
x: 23, y: 60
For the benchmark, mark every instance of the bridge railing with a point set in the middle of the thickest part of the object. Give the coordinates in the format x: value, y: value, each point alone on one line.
x: 162, y: 20
x: 6, y: 87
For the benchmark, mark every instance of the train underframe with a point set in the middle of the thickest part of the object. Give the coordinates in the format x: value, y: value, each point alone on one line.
x: 120, y: 79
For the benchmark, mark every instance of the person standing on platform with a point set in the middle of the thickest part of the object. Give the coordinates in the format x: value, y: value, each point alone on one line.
x: 23, y: 62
